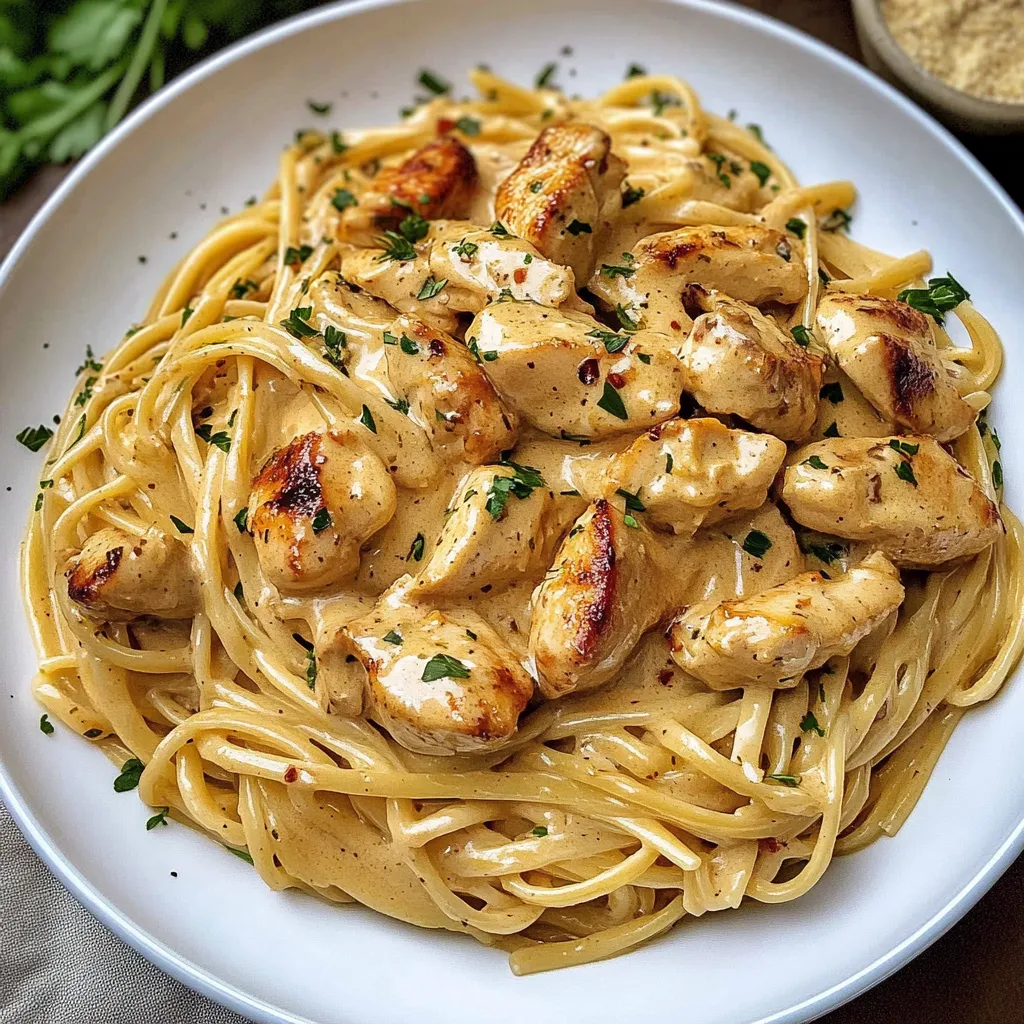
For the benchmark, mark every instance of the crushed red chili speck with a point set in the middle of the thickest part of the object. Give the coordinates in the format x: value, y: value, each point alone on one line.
x: 588, y: 371
x: 675, y: 325
x: 291, y: 773
x: 771, y: 844
x: 616, y: 380
x: 444, y: 124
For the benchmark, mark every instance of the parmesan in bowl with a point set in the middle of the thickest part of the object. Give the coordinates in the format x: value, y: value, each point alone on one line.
x: 962, y: 59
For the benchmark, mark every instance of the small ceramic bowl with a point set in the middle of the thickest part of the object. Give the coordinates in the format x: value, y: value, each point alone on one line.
x: 957, y: 109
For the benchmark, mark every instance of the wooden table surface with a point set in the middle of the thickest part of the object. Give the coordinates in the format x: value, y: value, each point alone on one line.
x: 973, y: 975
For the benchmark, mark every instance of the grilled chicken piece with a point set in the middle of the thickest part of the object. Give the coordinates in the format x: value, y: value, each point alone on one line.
x: 496, y: 534
x: 448, y: 393
x: 886, y: 349
x: 738, y: 361
x: 776, y: 636
x: 914, y: 503
x: 437, y: 181
x: 751, y: 263
x: 597, y: 600
x: 725, y: 181
x: 400, y: 282
x: 481, y: 266
x: 439, y: 682
x: 844, y: 412
x: 554, y: 367
x: 562, y: 193
x: 313, y: 505
x: 118, y: 576
x: 687, y: 473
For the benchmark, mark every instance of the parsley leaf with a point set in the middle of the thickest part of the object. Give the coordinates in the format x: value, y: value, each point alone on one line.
x: 33, y: 438
x: 241, y: 519
x: 45, y: 725
x: 160, y: 818
x: 221, y: 439
x: 416, y: 548
x: 786, y: 780
x: 810, y: 724
x: 942, y: 295
x: 366, y: 418
x: 612, y: 271
x: 904, y: 447
x: 468, y: 126
x: 322, y: 520
x: 395, y: 246
x: 633, y: 502
x: 293, y: 256
x: 905, y: 472
x: 801, y: 335
x: 392, y: 637
x: 131, y: 770
x: 762, y: 170
x: 443, y: 666
x: 611, y: 402
x: 631, y: 195
x: 837, y: 220
x: 544, y: 76
x: 797, y: 226
x: 434, y: 83
x: 431, y: 288
x: 181, y: 526
x: 756, y: 543
x: 522, y: 483
x: 343, y: 199
x: 815, y: 462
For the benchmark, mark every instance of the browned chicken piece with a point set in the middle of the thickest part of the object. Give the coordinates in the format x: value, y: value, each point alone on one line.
x: 313, y: 505
x: 562, y: 193
x: 774, y: 637
x: 844, y: 412
x: 118, y: 576
x: 686, y: 473
x: 439, y: 682
x: 738, y: 361
x: 886, y: 349
x: 751, y: 263
x: 496, y: 532
x: 903, y: 495
x: 449, y: 394
x: 569, y: 376
x: 437, y: 181
x: 599, y: 597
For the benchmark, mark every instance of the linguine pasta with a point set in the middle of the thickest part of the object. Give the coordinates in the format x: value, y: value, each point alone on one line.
x: 611, y: 813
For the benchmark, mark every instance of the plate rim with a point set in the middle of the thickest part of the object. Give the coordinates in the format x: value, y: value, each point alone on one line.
x: 204, y: 981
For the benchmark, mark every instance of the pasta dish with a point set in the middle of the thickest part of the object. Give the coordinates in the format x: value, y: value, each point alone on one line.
x: 538, y: 519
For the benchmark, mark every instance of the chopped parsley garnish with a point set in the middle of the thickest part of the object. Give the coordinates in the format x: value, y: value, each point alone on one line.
x: 522, y: 483
x: 630, y: 521
x: 221, y: 439
x: 297, y: 324
x: 322, y: 520
x: 644, y: 357
x: 89, y: 363
x: 815, y: 462
x: 390, y: 339
x: 241, y: 288
x: 762, y: 170
x: 241, y: 519
x: 33, y: 438
x: 311, y: 669
x: 903, y: 447
x: 319, y: 108
x: 826, y: 553
x: 823, y: 277
x: 129, y: 777
x: 755, y: 130
x: 544, y: 76
x: 414, y: 226
x: 432, y: 287
x: 434, y: 83
x: 905, y: 472
x: 997, y: 474
x: 578, y: 227
x: 613, y: 341
x: 334, y: 342
x: 833, y: 392
x: 633, y: 502
x: 400, y: 404
x: 181, y: 526
x: 627, y: 322
x: 612, y: 271
x: 366, y: 418
x: 756, y: 543
x: 631, y: 195
x: 810, y: 724
x: 941, y: 295
x: 489, y: 356
x: 392, y: 637
x: 527, y: 258
x: 468, y: 125
x: 837, y: 220
x: 408, y: 346
x: 343, y: 199
x: 299, y: 255
x: 786, y: 780
x: 832, y: 430
x: 46, y: 726
x: 669, y: 462
x: 186, y: 313
x: 240, y: 854
x: 338, y: 144
x: 611, y: 402
x: 160, y: 818
x: 661, y: 100
x: 633, y: 71
x: 499, y: 230
x: 801, y: 335
x: 467, y: 249
x: 416, y: 548
x: 395, y: 246
x: 797, y: 226
x: 238, y: 592
x: 443, y: 666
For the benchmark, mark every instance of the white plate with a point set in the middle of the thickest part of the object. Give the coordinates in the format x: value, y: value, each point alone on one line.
x: 212, y: 138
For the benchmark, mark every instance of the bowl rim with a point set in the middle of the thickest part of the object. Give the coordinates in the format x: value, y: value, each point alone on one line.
x: 964, y: 105
x: 203, y: 980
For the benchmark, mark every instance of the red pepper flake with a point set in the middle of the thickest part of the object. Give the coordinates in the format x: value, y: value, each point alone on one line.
x: 770, y: 844
x: 588, y: 371
x: 291, y: 773
x: 675, y: 325
x: 616, y: 380
x: 444, y: 124
x: 519, y: 275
